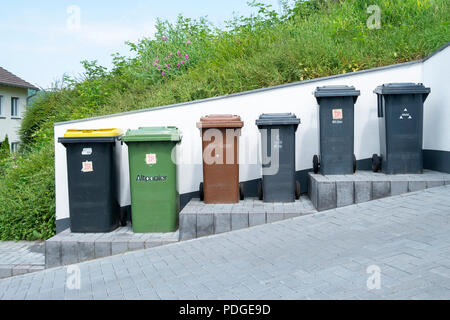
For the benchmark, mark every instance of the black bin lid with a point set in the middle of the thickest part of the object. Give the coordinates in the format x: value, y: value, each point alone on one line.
x: 402, y: 88
x: 65, y: 140
x: 272, y: 119
x: 336, y: 91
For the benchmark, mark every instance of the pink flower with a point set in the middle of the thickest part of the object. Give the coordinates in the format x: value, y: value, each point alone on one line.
x: 164, y: 38
x: 168, y: 66
x: 187, y: 56
x: 170, y: 55
x: 188, y: 42
x: 182, y: 61
x: 178, y: 65
x: 163, y: 74
x: 14, y: 157
x: 179, y: 53
x: 157, y: 60
x: 154, y: 64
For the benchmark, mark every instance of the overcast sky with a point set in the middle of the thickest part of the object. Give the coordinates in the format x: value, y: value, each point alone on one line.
x: 41, y: 40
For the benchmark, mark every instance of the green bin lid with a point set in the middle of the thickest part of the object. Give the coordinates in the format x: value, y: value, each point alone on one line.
x: 402, y: 88
x: 152, y: 134
x: 272, y: 119
x: 336, y: 91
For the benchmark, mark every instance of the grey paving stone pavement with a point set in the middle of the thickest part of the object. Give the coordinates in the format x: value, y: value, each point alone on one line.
x: 326, y: 255
x: 22, y: 257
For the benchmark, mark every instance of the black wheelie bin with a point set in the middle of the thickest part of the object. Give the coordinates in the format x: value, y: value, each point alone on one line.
x: 400, y: 115
x: 278, y: 152
x: 336, y: 126
x: 92, y: 179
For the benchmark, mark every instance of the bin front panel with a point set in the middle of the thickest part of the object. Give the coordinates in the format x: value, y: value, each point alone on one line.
x: 92, y: 187
x: 402, y: 134
x: 154, y: 197
x: 279, y: 187
x: 336, y: 135
x: 221, y: 165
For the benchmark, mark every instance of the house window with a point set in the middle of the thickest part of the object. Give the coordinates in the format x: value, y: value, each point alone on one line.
x: 1, y: 106
x: 14, y: 147
x: 14, y: 107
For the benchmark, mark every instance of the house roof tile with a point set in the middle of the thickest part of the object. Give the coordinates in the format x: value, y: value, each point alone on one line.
x: 9, y: 79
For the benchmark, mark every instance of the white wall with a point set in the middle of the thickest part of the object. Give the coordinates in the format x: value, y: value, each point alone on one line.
x: 436, y: 74
x: 10, y: 126
x: 297, y: 98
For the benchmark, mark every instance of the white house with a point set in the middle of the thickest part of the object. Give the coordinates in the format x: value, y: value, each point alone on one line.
x: 13, y: 104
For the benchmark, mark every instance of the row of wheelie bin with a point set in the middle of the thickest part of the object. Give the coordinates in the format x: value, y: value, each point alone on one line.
x: 152, y: 162
x: 93, y: 201
x: 400, y: 114
x: 220, y: 136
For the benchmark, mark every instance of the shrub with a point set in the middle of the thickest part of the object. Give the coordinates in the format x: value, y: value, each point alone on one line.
x: 27, y: 210
x: 4, y: 148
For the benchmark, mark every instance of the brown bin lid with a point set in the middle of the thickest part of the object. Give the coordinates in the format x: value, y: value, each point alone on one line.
x: 220, y: 121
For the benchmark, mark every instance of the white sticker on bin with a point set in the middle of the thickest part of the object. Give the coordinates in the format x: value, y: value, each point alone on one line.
x: 87, y: 166
x: 87, y: 152
x: 338, y: 114
x: 150, y: 158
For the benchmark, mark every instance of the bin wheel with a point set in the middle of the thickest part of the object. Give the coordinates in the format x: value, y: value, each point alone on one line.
x: 316, y: 164
x: 354, y: 163
x: 241, y: 191
x: 260, y: 191
x: 376, y: 163
x: 201, y: 192
x: 298, y: 190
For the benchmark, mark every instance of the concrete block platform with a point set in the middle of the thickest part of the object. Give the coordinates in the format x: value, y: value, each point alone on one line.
x: 335, y: 191
x: 69, y: 248
x: 198, y: 219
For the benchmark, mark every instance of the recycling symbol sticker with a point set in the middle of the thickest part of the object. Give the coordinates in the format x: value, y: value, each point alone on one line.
x: 406, y: 115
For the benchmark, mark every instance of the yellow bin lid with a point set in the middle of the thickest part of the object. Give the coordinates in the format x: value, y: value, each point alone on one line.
x: 86, y: 133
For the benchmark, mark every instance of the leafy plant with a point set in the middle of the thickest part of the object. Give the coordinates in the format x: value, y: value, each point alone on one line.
x: 27, y: 210
x: 4, y: 148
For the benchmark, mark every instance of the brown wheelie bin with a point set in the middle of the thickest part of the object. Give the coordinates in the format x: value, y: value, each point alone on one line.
x: 220, y: 136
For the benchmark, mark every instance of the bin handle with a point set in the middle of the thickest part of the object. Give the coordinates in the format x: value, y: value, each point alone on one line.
x: 380, y: 106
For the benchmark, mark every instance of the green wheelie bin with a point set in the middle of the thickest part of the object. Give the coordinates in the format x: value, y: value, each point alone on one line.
x: 153, y: 178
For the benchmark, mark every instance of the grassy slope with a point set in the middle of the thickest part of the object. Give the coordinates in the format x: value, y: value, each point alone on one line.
x: 319, y: 39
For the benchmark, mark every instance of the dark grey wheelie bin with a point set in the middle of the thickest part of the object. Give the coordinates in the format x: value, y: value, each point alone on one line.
x: 278, y: 145
x: 336, y: 126
x: 400, y: 113
x: 92, y: 179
